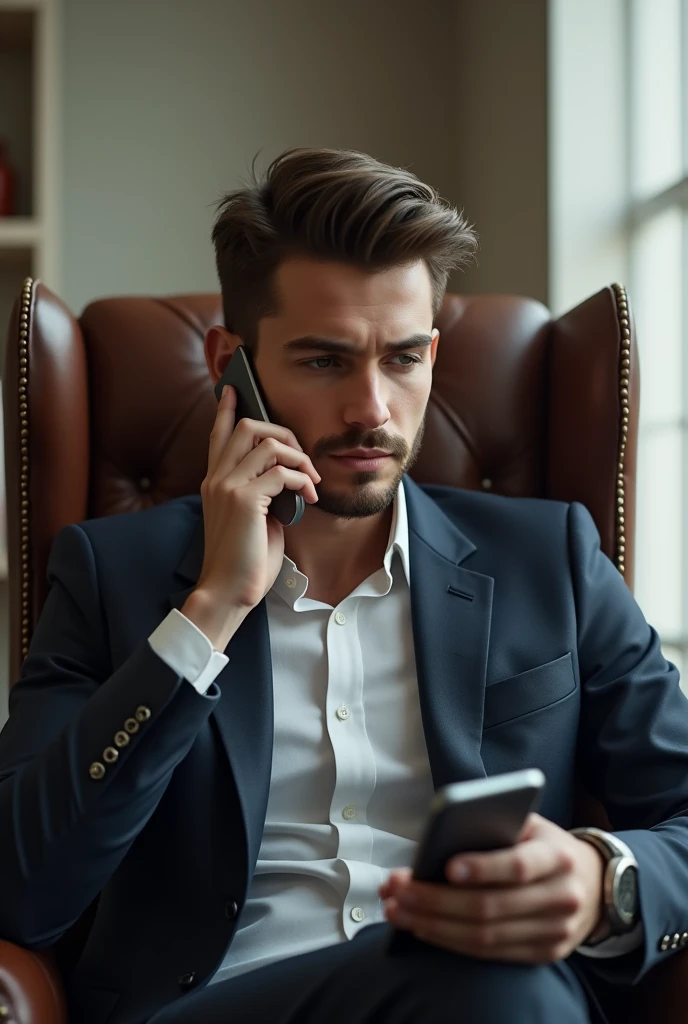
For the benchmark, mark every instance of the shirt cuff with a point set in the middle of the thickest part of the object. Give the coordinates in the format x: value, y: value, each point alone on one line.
x: 615, y: 945
x: 187, y: 651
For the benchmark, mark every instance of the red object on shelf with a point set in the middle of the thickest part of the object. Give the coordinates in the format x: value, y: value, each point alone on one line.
x: 7, y: 181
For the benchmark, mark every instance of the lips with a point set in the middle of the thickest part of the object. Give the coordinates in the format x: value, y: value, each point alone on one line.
x: 363, y: 460
x: 363, y: 453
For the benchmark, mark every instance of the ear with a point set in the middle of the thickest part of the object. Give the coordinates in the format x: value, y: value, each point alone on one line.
x: 433, y: 345
x: 220, y: 345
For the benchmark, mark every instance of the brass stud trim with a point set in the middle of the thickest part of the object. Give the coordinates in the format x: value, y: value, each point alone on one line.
x: 23, y: 368
x: 110, y: 755
x: 121, y: 738
x: 624, y: 380
x: 131, y: 726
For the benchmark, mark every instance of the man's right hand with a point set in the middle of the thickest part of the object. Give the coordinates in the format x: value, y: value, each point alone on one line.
x: 244, y: 545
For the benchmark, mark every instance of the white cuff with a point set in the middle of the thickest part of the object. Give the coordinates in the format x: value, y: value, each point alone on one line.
x: 615, y: 945
x: 187, y: 651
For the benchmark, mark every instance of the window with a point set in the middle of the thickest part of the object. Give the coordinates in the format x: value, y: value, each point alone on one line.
x: 658, y: 246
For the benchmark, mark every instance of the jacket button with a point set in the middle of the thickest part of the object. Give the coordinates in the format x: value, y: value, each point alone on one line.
x: 186, y: 980
x: 231, y: 910
x: 664, y: 943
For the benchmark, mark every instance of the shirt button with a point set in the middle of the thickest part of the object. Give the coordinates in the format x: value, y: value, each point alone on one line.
x: 349, y: 812
x: 290, y: 582
x: 343, y: 713
x: 340, y: 618
x: 358, y: 913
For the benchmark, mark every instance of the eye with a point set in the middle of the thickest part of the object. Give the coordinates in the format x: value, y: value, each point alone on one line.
x: 320, y: 363
x: 407, y: 356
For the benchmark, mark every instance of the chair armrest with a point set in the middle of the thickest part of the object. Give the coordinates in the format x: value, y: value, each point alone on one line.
x: 30, y: 988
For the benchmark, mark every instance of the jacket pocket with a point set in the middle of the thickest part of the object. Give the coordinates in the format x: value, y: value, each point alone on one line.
x: 528, y: 691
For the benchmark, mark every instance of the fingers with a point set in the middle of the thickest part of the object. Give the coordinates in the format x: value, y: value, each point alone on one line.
x: 253, y: 448
x: 229, y: 445
x: 526, y: 862
x: 269, y: 453
x: 556, y: 896
x: 396, y: 878
x: 245, y: 437
x: 470, y: 936
x: 538, y: 939
x: 222, y: 428
x: 269, y: 484
x: 528, y: 948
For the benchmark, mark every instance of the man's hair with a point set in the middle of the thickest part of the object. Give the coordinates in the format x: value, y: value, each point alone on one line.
x: 333, y: 205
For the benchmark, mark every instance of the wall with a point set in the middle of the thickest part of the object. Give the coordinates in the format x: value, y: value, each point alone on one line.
x: 166, y: 103
x: 499, y: 129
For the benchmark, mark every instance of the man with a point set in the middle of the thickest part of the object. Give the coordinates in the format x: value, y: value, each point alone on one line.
x: 229, y: 732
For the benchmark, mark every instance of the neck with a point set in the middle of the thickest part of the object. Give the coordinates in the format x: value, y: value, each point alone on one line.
x: 337, y: 554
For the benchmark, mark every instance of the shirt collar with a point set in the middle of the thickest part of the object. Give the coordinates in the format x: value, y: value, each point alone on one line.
x: 399, y: 535
x: 291, y: 584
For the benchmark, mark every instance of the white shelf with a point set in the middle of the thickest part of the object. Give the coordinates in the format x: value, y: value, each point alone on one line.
x: 19, y: 232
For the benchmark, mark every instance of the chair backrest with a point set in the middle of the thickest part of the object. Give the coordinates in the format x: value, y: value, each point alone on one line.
x: 111, y: 412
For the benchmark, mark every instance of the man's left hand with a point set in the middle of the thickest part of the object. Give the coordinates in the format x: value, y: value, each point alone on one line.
x: 533, y: 903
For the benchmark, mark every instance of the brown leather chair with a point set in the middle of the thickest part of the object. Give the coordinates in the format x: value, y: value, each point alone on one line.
x: 112, y: 413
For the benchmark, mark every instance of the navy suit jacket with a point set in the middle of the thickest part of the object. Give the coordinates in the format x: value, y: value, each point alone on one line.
x: 530, y: 651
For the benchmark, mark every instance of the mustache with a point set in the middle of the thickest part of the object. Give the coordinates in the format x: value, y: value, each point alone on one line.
x: 354, y: 438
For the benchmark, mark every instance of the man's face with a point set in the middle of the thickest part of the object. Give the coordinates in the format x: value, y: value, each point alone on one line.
x: 346, y: 364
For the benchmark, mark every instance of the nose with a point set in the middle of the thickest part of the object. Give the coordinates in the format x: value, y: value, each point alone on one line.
x: 366, y: 401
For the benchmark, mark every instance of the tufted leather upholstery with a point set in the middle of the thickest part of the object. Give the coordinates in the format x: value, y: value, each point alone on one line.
x: 119, y: 407
x: 112, y: 412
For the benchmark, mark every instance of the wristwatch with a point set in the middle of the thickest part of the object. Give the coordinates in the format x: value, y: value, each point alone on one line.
x: 619, y: 885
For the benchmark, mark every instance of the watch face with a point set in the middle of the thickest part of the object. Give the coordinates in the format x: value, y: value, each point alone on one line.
x: 627, y: 894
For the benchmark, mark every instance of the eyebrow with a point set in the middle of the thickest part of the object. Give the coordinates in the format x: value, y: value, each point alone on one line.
x: 311, y: 343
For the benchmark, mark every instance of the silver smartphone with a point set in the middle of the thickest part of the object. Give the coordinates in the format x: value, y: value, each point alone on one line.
x: 288, y: 506
x: 481, y: 814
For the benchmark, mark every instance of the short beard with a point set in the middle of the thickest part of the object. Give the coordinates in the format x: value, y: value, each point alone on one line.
x: 366, y: 500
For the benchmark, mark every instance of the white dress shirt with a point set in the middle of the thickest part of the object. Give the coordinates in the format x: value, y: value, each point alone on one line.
x: 350, y: 784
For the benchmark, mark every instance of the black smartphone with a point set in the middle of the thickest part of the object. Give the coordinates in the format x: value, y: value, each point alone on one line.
x: 288, y: 506
x: 466, y: 817
x: 481, y: 814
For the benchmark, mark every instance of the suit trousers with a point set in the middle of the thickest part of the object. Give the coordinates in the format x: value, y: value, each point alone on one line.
x: 360, y: 982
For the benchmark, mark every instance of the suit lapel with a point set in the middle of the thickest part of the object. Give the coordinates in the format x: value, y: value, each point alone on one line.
x: 244, y: 713
x: 451, y: 611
